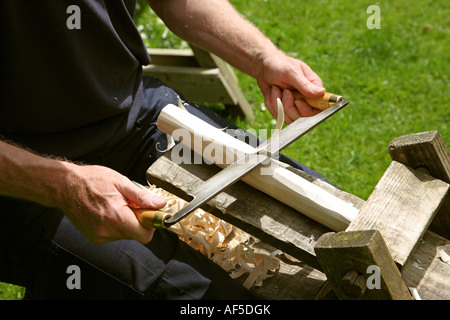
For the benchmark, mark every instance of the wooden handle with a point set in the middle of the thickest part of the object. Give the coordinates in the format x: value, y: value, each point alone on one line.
x: 152, y: 219
x: 324, y: 102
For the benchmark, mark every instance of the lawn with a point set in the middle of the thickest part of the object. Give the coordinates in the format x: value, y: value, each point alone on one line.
x: 395, y: 78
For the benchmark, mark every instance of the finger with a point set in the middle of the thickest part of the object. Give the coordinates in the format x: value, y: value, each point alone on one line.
x: 140, y: 197
x: 312, y: 76
x: 305, y: 110
x: 307, y: 82
x: 309, y: 89
x: 291, y: 112
x: 274, y: 95
x: 133, y: 229
x: 268, y: 101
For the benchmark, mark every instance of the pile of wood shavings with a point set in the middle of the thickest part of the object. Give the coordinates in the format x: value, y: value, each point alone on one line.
x: 223, y: 243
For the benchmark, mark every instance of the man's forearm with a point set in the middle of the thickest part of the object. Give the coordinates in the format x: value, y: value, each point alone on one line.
x: 29, y: 176
x: 95, y: 198
x: 217, y: 27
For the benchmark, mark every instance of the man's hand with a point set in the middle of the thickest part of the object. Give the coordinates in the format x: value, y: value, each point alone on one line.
x: 96, y: 199
x: 97, y: 202
x: 217, y: 27
x: 279, y: 76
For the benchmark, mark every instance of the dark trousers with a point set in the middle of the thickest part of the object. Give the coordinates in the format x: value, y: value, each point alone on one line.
x: 38, y: 244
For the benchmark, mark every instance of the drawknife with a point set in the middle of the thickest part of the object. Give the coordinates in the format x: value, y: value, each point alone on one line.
x: 329, y: 103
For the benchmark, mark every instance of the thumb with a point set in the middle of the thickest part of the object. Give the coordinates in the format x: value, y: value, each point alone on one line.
x: 309, y: 83
x: 312, y: 91
x: 141, y: 197
x: 309, y: 89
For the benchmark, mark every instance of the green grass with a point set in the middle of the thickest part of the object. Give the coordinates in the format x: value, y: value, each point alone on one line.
x: 11, y: 292
x: 395, y: 78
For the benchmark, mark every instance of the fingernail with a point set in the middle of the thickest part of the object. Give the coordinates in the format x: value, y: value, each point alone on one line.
x: 274, y: 90
x: 319, y: 89
x: 159, y: 201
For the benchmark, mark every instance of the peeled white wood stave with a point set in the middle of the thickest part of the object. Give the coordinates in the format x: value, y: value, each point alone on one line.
x: 272, y: 178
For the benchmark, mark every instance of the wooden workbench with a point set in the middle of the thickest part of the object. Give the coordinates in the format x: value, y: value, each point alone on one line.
x: 415, y: 252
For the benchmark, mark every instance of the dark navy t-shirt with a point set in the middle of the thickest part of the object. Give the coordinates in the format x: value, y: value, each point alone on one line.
x: 69, y: 91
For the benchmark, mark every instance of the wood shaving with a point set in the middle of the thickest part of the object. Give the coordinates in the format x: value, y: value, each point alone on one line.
x: 414, y: 293
x: 444, y: 256
x: 228, y: 246
x: 278, y: 127
x: 418, y: 265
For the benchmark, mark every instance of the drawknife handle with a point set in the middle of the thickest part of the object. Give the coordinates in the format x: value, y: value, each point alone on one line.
x: 152, y: 219
x: 324, y: 102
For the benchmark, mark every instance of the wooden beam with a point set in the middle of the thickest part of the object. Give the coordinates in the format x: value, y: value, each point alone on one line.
x: 347, y: 259
x: 427, y: 150
x: 401, y: 207
x: 426, y: 271
x: 196, y: 84
x: 172, y: 57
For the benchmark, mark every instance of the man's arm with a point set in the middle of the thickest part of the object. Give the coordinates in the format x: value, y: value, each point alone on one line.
x: 94, y: 198
x: 217, y: 27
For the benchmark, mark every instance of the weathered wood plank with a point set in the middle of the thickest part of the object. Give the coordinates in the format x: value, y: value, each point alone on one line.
x: 356, y: 251
x: 173, y: 57
x: 426, y: 271
x: 401, y: 207
x: 196, y: 84
x: 294, y: 281
x: 427, y: 150
x: 253, y: 211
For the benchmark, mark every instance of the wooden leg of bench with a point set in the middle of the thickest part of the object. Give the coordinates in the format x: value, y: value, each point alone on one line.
x: 359, y: 266
x: 427, y: 150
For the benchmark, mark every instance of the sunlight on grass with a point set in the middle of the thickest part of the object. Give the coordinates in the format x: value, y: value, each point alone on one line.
x: 11, y: 292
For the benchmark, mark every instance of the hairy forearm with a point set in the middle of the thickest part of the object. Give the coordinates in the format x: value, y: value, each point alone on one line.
x: 96, y: 199
x: 28, y: 176
x: 217, y: 27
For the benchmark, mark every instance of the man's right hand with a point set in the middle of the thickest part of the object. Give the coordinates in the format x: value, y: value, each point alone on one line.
x: 96, y: 199
x: 97, y: 202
